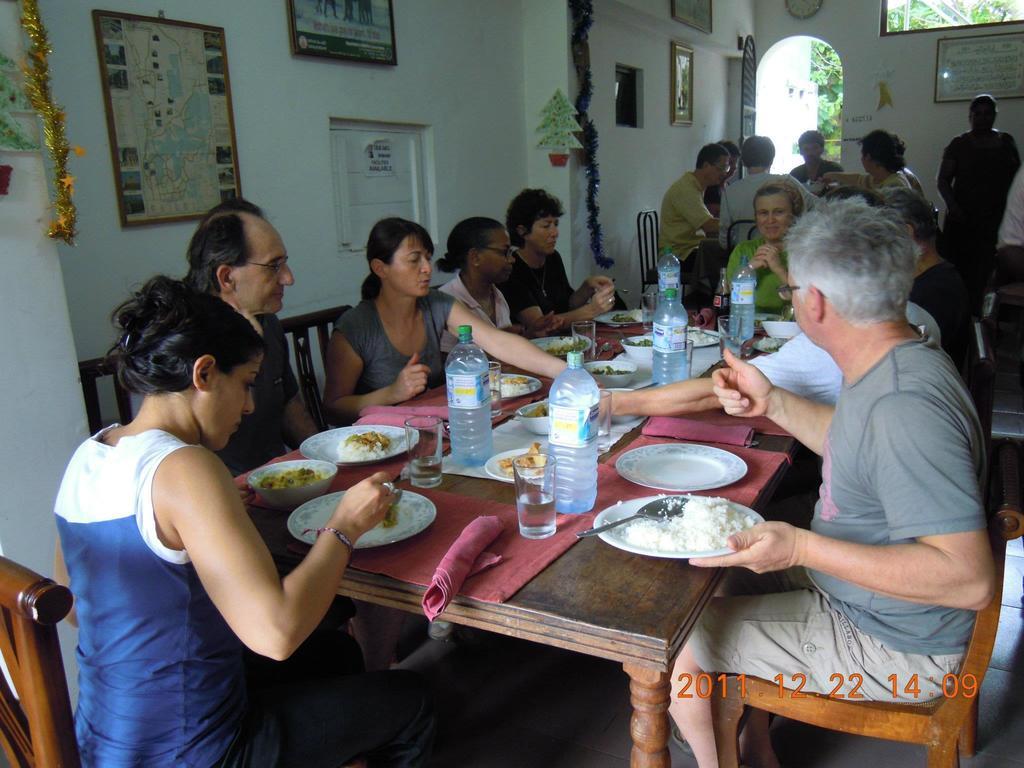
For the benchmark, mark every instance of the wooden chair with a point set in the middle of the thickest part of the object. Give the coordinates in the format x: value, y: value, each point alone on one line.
x: 36, y: 729
x: 89, y: 373
x: 298, y: 328
x: 981, y: 378
x: 647, y: 242
x: 941, y: 725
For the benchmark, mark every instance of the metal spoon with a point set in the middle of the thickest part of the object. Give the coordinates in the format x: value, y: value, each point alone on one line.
x: 657, y: 510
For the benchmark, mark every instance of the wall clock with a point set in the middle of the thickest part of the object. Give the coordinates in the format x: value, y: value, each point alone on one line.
x: 803, y: 9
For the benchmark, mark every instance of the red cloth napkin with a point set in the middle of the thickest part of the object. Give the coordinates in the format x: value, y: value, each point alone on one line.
x: 761, y: 468
x: 723, y: 419
x: 698, y: 431
x: 464, y: 558
x: 395, y: 415
x: 415, y: 560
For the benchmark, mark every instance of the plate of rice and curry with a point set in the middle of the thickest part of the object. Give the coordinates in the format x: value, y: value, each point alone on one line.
x: 355, y: 445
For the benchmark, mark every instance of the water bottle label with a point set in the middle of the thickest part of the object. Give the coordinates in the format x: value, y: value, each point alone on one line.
x: 669, y: 338
x: 666, y: 281
x: 571, y: 427
x: 742, y: 292
x: 468, y: 390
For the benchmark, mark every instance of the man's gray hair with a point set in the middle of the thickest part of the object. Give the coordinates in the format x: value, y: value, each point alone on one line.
x: 861, y: 258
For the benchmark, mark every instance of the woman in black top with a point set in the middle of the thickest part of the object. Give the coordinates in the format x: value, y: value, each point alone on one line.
x: 538, y: 291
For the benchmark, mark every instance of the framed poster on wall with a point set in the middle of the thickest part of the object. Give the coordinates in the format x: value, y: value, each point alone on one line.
x: 967, y: 66
x: 356, y: 30
x: 695, y: 13
x: 167, y: 96
x: 681, y: 109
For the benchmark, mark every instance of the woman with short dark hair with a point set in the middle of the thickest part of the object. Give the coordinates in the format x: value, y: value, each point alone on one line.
x: 539, y: 286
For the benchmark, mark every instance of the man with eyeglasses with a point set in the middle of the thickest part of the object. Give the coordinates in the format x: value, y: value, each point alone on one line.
x: 685, y: 220
x: 236, y: 254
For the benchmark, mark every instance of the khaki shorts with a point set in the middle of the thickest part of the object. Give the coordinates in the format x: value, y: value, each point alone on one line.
x: 782, y: 624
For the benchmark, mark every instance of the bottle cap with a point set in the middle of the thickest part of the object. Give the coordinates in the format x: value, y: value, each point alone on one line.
x: 575, y: 359
x: 465, y: 332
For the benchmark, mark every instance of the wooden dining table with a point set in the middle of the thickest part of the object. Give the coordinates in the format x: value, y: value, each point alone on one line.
x: 594, y: 599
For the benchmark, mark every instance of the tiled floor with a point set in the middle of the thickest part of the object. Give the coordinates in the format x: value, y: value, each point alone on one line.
x: 512, y: 704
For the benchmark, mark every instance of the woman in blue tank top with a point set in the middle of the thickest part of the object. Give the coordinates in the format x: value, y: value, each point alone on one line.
x: 172, y: 581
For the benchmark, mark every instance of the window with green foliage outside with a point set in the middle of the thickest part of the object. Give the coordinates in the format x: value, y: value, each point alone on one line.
x: 916, y: 15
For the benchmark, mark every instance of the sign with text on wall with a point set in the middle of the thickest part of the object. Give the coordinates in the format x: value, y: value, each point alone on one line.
x: 379, y: 158
x: 967, y: 66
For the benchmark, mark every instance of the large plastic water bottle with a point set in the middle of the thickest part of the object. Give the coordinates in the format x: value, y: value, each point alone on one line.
x: 572, y: 436
x: 670, y: 323
x: 741, y: 302
x: 469, y: 401
x: 668, y: 271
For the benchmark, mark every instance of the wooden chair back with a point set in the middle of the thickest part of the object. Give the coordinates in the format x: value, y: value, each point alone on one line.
x: 981, y: 378
x: 90, y: 372
x: 739, y: 230
x: 647, y: 227
x: 946, y: 726
x: 298, y: 328
x: 36, y: 727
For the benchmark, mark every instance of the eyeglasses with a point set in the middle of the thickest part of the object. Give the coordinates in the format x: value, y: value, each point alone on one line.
x: 786, y: 292
x: 276, y: 265
x: 508, y: 253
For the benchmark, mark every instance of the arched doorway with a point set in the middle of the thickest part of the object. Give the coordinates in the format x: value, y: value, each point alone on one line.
x: 800, y: 87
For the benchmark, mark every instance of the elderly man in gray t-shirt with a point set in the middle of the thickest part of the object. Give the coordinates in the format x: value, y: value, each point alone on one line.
x: 897, y: 560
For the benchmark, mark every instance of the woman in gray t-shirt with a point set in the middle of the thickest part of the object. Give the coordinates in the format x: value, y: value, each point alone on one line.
x: 388, y: 348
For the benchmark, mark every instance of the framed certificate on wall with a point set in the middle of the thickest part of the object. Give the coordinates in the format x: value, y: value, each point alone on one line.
x: 967, y: 66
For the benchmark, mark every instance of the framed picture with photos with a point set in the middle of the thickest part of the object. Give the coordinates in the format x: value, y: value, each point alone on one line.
x: 694, y: 13
x: 354, y: 30
x: 681, y: 67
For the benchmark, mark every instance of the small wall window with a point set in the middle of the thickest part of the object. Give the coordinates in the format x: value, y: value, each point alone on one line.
x: 920, y: 15
x: 628, y: 96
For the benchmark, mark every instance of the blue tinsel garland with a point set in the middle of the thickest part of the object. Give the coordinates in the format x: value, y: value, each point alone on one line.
x: 582, y: 20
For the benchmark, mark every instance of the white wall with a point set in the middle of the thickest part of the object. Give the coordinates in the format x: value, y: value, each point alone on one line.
x: 908, y: 63
x: 637, y: 165
x: 41, y: 409
x: 460, y: 71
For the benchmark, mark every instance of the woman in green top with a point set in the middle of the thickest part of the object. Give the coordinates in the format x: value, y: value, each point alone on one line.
x: 776, y: 206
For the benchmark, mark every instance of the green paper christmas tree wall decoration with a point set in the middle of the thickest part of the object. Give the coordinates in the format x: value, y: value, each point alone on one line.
x: 13, y: 99
x: 558, y: 125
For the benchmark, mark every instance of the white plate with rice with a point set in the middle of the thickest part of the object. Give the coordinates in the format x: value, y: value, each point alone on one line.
x: 703, y: 338
x: 355, y: 445
x: 621, y: 317
x: 681, y: 467
x: 700, y: 531
x: 414, y: 514
x: 517, y: 385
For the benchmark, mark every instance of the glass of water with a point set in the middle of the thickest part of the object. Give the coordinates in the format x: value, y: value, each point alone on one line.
x: 494, y: 371
x: 648, y: 306
x: 423, y: 436
x: 534, y: 478
x: 586, y: 329
x: 730, y: 335
x: 605, y: 440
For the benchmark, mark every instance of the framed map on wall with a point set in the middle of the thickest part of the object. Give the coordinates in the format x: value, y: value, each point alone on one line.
x: 168, y: 102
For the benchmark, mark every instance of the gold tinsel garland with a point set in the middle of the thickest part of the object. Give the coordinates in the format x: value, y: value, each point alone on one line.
x: 37, y: 86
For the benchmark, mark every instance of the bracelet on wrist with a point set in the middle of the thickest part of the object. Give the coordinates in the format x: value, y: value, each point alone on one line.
x: 336, y: 533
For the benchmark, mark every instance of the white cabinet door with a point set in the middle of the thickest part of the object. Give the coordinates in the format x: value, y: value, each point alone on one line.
x: 378, y: 172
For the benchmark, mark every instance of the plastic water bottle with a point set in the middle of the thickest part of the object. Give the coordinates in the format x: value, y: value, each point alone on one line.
x: 669, y: 363
x: 572, y: 437
x: 668, y: 271
x: 469, y: 401
x: 741, y: 302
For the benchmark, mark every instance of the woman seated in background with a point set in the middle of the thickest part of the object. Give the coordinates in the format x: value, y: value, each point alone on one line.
x: 539, y: 286
x: 387, y: 349
x: 777, y: 204
x: 480, y: 250
x: 172, y: 581
x: 881, y: 154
